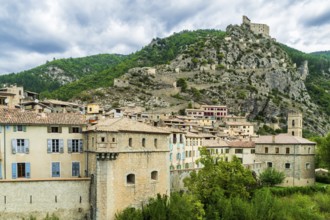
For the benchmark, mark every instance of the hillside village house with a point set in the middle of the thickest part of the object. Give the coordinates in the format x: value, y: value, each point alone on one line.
x: 46, y: 145
x: 128, y: 162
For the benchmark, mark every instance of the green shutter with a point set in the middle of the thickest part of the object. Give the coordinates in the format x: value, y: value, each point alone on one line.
x: 61, y: 144
x: 69, y: 145
x: 13, y: 146
x: 14, y: 128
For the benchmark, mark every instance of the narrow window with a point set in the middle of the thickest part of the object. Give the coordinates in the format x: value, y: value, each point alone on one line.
x: 55, y: 145
x: 174, y: 138
x: 309, y: 150
x: 154, y: 175
x: 292, y: 133
x: 287, y: 165
x: 269, y: 164
x: 253, y: 151
x: 277, y: 150
x: 102, y: 139
x: 266, y: 150
x: 143, y: 142
x: 21, y: 170
x: 130, y: 141
x: 75, y: 169
x: 19, y: 127
x: 55, y: 169
x: 130, y: 179
x: 293, y: 123
x: 155, y: 143
x: 308, y: 166
x: 287, y: 150
x: 113, y: 140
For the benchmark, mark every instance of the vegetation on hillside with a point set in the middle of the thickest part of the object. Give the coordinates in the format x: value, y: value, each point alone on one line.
x: 318, y: 80
x: 47, y: 77
x: 159, y: 51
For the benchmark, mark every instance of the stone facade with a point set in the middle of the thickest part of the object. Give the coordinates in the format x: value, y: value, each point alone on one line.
x: 129, y: 164
x: 262, y: 29
x: 67, y: 199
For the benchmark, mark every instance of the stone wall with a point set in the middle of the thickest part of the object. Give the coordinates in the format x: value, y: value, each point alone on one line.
x: 67, y: 199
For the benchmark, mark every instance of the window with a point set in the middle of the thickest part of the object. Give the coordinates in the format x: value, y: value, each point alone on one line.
x: 293, y: 123
x: 178, y: 156
x: 74, y: 130
x: 54, y: 129
x: 130, y: 142
x: 266, y: 150
x: 55, y: 146
x: 308, y: 166
x: 269, y: 164
x: 277, y: 150
x: 154, y: 175
x: 238, y: 151
x: 155, y: 143
x: 75, y: 169
x: 292, y: 133
x: 181, y: 138
x: 253, y: 151
x: 20, y: 146
x: 75, y: 145
x: 21, y: 170
x: 113, y: 140
x: 130, y: 179
x: 102, y: 139
x: 174, y: 138
x: 143, y: 142
x: 55, y: 169
x: 20, y: 128
x: 287, y: 165
x: 287, y: 150
x: 178, y: 167
x: 227, y: 151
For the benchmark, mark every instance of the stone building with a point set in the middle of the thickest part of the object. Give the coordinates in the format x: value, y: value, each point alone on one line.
x: 128, y: 162
x: 289, y: 153
x: 262, y: 29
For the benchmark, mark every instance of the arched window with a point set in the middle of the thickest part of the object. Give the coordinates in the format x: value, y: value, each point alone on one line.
x: 154, y: 175
x: 292, y: 133
x: 143, y: 142
x: 293, y: 123
x: 130, y: 178
x: 130, y: 142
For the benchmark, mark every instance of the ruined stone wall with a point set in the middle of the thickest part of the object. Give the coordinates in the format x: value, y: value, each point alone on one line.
x: 67, y: 199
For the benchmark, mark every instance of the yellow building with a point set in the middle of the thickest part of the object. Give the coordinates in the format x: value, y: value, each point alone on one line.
x: 40, y: 146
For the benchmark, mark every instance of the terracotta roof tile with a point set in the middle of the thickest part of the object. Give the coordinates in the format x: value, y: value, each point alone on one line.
x: 241, y: 144
x: 282, y: 139
x: 17, y: 116
x: 125, y: 124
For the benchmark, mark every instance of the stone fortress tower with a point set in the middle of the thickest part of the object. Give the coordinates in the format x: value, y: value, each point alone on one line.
x: 262, y: 29
x: 295, y: 123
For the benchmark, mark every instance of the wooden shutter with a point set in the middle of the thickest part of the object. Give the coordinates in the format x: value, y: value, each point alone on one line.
x: 27, y: 146
x: 14, y: 128
x: 14, y: 170
x: 61, y: 144
x: 49, y: 129
x: 13, y: 146
x: 24, y: 128
x: 81, y: 145
x: 27, y: 170
x: 59, y: 129
x: 69, y: 145
x: 49, y: 145
x: 70, y: 129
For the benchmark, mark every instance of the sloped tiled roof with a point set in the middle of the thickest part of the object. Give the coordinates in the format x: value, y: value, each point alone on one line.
x: 125, y: 125
x: 214, y: 143
x: 241, y: 144
x: 17, y: 116
x: 282, y: 139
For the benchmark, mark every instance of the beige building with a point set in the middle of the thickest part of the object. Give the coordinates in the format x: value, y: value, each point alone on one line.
x: 40, y: 146
x: 11, y: 96
x: 128, y: 162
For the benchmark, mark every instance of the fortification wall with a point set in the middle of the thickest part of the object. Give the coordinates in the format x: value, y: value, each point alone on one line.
x: 67, y: 199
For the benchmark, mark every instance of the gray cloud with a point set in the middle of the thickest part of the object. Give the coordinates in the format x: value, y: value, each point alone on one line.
x: 34, y: 31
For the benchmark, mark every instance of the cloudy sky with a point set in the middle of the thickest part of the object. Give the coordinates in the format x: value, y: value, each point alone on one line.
x: 34, y: 31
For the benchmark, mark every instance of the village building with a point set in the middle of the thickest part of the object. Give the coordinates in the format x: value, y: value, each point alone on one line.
x: 128, y: 162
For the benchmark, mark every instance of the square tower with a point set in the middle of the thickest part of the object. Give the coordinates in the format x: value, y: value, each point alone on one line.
x: 295, y: 123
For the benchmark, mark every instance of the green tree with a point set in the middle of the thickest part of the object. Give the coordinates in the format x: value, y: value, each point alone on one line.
x: 219, y: 178
x: 182, y: 83
x: 271, y: 177
x: 323, y: 151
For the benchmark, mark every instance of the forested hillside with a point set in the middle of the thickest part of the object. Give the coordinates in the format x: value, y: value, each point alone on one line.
x: 54, y: 74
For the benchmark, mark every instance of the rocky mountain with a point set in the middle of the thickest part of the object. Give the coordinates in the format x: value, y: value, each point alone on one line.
x: 251, y: 74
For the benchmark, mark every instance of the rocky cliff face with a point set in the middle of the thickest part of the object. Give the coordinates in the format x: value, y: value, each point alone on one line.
x: 248, y: 73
